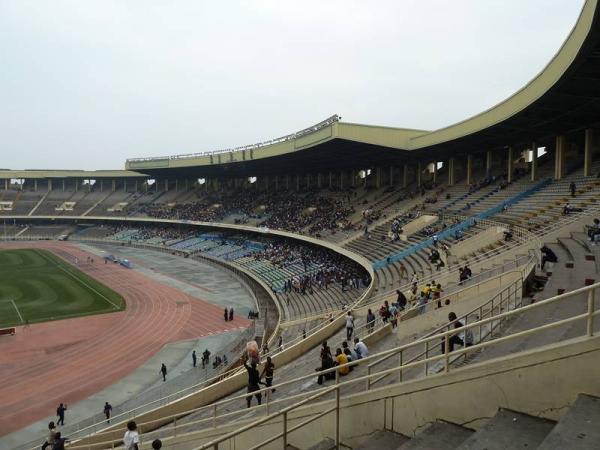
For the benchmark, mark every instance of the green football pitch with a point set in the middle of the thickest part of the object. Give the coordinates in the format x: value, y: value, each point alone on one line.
x: 37, y: 286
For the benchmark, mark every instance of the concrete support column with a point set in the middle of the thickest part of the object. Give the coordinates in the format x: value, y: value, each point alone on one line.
x: 405, y: 176
x: 534, y: 162
x: 560, y: 153
x: 176, y: 184
x: 589, y: 146
x: 419, y: 174
x: 276, y: 182
x: 77, y: 185
x: 308, y: 181
x: 377, y: 178
x: 469, y: 168
x: 6, y: 184
x: 186, y: 184
x: 391, y: 180
x: 341, y: 179
x: 287, y: 182
x: 49, y: 184
x: 114, y: 185
x: 488, y: 164
x: 166, y: 185
x: 101, y: 186
x: 319, y: 180
x: 352, y: 178
x: 297, y: 182
x: 509, y: 165
x: 63, y: 183
x: 330, y: 180
x: 35, y: 185
x: 434, y: 172
x: 451, y: 172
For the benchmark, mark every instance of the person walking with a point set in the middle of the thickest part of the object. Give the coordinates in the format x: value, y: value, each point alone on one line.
x: 59, y: 442
x: 107, y: 411
x: 205, y: 358
x: 231, y: 314
x: 163, y: 371
x: 131, y: 439
x: 51, y: 436
x: 573, y: 188
x: 268, y: 373
x: 370, y: 320
x: 226, y: 314
x: 349, y: 325
x: 253, y: 382
x: 194, y: 358
x: 60, y: 412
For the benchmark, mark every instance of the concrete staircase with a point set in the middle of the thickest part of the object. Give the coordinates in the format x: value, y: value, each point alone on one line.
x: 577, y: 429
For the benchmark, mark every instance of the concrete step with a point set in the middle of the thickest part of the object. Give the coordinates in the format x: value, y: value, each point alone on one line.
x: 382, y: 439
x: 578, y: 429
x: 440, y: 436
x: 509, y: 430
x: 325, y: 444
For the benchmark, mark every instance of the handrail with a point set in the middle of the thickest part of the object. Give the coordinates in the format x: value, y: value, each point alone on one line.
x: 323, y: 124
x: 266, y: 391
x: 445, y: 357
x: 516, y: 286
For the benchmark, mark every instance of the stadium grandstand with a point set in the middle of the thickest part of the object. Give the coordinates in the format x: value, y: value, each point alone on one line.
x: 414, y: 289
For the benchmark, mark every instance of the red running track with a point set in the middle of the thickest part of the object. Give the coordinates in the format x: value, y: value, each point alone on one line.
x: 69, y: 360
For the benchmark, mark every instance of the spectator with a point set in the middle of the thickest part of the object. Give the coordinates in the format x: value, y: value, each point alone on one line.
x: 156, y: 444
x: 226, y: 314
x: 370, y: 320
x: 594, y: 230
x: 572, y: 188
x: 547, y: 256
x: 51, y: 436
x: 230, y: 314
x: 400, y: 300
x: 59, y: 441
x: 253, y: 382
x: 384, y: 311
x: 163, y: 371
x: 341, y: 359
x: 60, y: 412
x: 454, y: 338
x: 107, y: 411
x: 361, y: 349
x: 326, y: 363
x: 194, y: 358
x: 205, y: 358
x: 268, y: 372
x: 349, y: 325
x: 131, y: 439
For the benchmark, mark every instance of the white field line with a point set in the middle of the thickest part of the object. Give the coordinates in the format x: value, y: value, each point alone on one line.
x: 18, y: 312
x: 79, y: 280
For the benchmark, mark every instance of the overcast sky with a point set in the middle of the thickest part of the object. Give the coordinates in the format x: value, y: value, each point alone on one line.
x: 87, y: 84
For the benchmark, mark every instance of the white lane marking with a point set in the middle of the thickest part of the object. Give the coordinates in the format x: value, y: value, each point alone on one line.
x: 18, y: 312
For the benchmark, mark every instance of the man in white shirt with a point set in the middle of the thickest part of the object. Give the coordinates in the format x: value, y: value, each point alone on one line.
x: 131, y: 440
x: 361, y: 348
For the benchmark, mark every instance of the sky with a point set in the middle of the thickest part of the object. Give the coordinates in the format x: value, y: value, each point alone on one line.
x: 88, y: 84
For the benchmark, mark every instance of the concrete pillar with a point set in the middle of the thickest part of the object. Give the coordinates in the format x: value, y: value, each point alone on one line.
x: 341, y: 179
x: 419, y: 174
x: 534, y: 162
x: 276, y: 182
x: 35, y: 185
x: 101, y: 186
x: 166, y: 185
x: 391, y: 180
x: 560, y: 153
x: 297, y: 182
x: 469, y: 168
x: 377, y: 178
x: 176, y: 184
x: 589, y: 146
x: 49, y: 184
x: 330, y: 180
x: 405, y: 176
x: 352, y: 178
x: 451, y: 172
x: 287, y: 182
x: 488, y: 163
x: 77, y: 181
x: 509, y: 165
x: 63, y: 183
x: 6, y: 184
x: 434, y: 172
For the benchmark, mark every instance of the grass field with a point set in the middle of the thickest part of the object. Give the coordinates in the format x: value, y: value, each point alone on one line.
x: 37, y: 286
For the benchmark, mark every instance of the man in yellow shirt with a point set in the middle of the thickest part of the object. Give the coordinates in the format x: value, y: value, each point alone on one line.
x: 340, y: 360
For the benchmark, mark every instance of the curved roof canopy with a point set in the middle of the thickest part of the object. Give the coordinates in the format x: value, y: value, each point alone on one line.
x: 564, y: 98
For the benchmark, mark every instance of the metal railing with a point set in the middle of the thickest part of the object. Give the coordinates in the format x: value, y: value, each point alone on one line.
x: 507, y: 299
x: 445, y: 358
x: 323, y: 124
x: 509, y: 296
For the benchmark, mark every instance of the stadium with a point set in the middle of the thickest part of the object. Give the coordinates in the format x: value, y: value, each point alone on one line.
x: 414, y: 289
